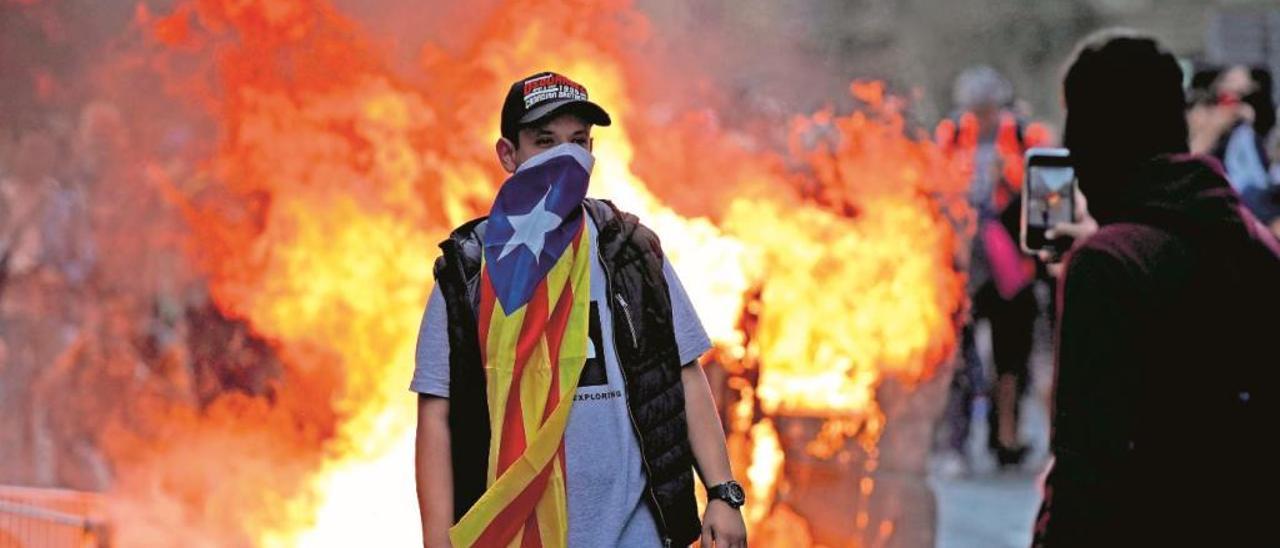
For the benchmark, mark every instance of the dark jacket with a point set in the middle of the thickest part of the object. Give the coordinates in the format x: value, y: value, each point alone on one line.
x: 644, y: 336
x: 1165, y: 400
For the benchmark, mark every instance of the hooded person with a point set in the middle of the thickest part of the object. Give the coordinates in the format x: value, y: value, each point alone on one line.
x: 1163, y: 398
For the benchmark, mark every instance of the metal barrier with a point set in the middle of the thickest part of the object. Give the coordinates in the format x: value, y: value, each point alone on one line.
x: 51, y: 518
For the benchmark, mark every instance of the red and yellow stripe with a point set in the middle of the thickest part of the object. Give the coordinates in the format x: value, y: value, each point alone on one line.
x: 533, y: 357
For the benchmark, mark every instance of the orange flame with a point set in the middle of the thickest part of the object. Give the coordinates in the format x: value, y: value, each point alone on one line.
x: 335, y: 179
x: 851, y: 298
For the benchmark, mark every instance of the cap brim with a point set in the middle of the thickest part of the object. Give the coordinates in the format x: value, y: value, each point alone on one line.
x: 591, y: 113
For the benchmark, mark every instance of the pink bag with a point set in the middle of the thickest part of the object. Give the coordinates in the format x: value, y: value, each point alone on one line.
x: 1009, y: 268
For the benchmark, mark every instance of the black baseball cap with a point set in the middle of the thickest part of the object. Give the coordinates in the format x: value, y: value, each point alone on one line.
x: 545, y: 94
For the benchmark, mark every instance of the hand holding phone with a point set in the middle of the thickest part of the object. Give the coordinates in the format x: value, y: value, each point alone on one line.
x: 1048, y: 201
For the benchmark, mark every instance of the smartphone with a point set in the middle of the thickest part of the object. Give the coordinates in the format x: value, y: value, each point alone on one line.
x: 1048, y: 198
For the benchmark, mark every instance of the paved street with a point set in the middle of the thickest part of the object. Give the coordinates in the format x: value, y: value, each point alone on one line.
x: 986, y: 512
x: 983, y: 507
x: 988, y: 508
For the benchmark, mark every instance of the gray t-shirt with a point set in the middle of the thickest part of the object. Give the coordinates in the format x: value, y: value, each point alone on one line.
x: 605, y: 482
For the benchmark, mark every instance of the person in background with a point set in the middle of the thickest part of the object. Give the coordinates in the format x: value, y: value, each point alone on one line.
x: 1001, y: 279
x: 1164, y: 397
x: 1230, y: 116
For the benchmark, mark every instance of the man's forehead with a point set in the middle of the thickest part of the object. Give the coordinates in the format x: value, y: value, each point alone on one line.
x: 564, y: 122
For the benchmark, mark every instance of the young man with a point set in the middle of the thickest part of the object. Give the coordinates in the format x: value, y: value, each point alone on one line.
x: 1165, y: 398
x: 556, y: 294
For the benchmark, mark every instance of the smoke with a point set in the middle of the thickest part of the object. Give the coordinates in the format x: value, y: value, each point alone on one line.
x: 91, y: 255
x: 118, y: 371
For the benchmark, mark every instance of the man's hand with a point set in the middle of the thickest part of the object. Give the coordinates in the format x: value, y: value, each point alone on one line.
x: 722, y: 526
x: 1077, y: 231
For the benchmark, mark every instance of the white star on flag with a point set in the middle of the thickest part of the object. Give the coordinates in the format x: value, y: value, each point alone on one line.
x: 531, y: 229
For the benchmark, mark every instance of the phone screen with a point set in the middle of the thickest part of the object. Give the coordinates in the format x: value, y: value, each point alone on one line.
x: 1049, y: 198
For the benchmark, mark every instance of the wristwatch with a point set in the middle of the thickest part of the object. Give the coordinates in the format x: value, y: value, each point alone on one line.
x: 730, y: 492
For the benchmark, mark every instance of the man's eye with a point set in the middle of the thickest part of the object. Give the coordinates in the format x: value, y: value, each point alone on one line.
x: 543, y: 143
x: 580, y: 142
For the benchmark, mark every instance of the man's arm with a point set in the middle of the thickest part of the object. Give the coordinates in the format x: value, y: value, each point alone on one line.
x: 722, y: 523
x: 433, y: 465
x: 1094, y: 390
x: 1097, y: 378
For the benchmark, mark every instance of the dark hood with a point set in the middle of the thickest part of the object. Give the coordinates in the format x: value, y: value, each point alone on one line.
x: 1188, y: 190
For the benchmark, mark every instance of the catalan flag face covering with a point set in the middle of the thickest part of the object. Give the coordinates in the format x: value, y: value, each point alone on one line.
x: 535, y: 293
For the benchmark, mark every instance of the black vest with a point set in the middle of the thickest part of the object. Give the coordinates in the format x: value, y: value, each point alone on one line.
x: 631, y: 257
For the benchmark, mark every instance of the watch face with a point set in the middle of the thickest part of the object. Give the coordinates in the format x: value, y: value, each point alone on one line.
x: 735, y: 494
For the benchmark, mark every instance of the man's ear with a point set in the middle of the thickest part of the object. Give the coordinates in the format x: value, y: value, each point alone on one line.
x: 506, y: 154
x: 591, y: 143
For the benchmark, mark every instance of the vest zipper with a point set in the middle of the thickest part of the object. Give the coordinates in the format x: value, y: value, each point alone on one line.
x: 471, y: 295
x: 626, y: 313
x: 644, y: 459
